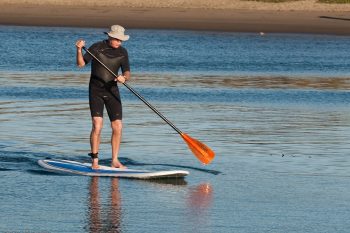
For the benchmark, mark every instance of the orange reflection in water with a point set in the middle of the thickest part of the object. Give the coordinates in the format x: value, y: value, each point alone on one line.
x: 200, y: 198
x: 199, y: 202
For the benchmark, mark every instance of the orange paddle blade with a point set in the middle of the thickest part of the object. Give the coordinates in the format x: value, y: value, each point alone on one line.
x: 201, y: 151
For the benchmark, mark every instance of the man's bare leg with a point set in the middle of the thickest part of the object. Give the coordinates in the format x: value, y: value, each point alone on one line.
x: 115, y: 141
x: 95, y: 139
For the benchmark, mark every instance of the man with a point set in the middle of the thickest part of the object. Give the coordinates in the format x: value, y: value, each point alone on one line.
x: 103, y: 89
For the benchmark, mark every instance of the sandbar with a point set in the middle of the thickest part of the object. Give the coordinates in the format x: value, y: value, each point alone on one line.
x: 236, y: 16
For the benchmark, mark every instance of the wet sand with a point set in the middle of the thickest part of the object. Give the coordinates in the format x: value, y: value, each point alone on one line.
x: 294, y: 17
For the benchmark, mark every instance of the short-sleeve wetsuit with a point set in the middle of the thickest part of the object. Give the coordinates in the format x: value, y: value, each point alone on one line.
x: 103, y: 90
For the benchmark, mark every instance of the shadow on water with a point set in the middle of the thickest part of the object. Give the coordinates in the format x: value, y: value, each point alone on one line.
x: 168, y: 181
x: 25, y: 161
x: 131, y: 162
x: 13, y: 160
x: 43, y: 172
x: 4, y: 169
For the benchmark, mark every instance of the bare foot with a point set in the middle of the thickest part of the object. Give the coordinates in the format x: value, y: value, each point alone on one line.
x: 117, y: 164
x: 94, y: 164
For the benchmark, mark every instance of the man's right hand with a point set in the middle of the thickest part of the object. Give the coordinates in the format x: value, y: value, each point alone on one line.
x: 80, y: 44
x: 80, y: 60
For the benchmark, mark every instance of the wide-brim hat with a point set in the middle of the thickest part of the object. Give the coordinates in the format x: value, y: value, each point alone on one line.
x: 117, y: 32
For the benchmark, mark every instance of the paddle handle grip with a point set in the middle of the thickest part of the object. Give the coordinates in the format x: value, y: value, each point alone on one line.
x: 136, y: 93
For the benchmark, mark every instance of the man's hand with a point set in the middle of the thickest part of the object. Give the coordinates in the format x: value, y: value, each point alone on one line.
x: 80, y: 60
x: 80, y: 44
x: 121, y: 79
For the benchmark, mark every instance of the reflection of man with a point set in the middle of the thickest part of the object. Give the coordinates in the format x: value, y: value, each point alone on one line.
x: 95, y: 223
x: 115, y: 211
x: 112, y: 222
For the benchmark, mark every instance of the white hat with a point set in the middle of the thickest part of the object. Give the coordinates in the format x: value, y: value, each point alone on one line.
x: 117, y: 32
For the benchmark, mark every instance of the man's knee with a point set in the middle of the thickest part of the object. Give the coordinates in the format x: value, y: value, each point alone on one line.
x: 117, y: 125
x: 97, y: 123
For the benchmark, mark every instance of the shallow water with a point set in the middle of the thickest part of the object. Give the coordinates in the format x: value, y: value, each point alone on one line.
x: 281, y: 139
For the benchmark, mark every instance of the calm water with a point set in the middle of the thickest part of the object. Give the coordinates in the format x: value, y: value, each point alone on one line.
x: 275, y: 109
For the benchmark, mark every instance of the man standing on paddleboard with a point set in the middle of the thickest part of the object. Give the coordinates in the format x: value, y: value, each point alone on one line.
x: 103, y: 89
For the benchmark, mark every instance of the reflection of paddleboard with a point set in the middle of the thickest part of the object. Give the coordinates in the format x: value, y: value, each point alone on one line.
x: 72, y: 167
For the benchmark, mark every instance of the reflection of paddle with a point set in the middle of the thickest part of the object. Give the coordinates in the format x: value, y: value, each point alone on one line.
x: 201, y: 197
x: 200, y: 150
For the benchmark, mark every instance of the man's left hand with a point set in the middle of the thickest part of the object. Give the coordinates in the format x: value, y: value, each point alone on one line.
x: 120, y: 79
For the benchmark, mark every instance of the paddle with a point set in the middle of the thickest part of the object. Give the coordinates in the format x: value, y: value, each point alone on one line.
x: 200, y: 150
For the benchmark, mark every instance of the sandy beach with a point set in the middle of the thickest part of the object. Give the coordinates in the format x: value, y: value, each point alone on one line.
x: 223, y: 15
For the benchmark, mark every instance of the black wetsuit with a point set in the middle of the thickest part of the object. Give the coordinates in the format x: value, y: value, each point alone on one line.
x: 103, y: 90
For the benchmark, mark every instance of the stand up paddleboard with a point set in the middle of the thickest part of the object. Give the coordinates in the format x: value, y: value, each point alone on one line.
x: 72, y: 167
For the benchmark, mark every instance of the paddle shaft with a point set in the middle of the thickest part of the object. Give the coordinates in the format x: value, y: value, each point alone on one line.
x: 137, y: 94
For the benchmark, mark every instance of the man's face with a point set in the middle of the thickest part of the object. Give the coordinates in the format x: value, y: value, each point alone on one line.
x: 114, y: 43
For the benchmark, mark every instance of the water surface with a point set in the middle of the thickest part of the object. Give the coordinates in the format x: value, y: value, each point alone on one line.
x: 275, y: 109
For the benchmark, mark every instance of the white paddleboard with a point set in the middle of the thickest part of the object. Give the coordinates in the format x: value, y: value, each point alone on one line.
x: 72, y: 167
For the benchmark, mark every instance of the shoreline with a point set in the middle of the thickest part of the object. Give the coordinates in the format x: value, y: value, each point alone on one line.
x: 333, y: 22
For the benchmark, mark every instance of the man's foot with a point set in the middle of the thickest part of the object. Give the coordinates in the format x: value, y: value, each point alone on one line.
x: 94, y: 164
x: 94, y: 160
x: 117, y: 164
